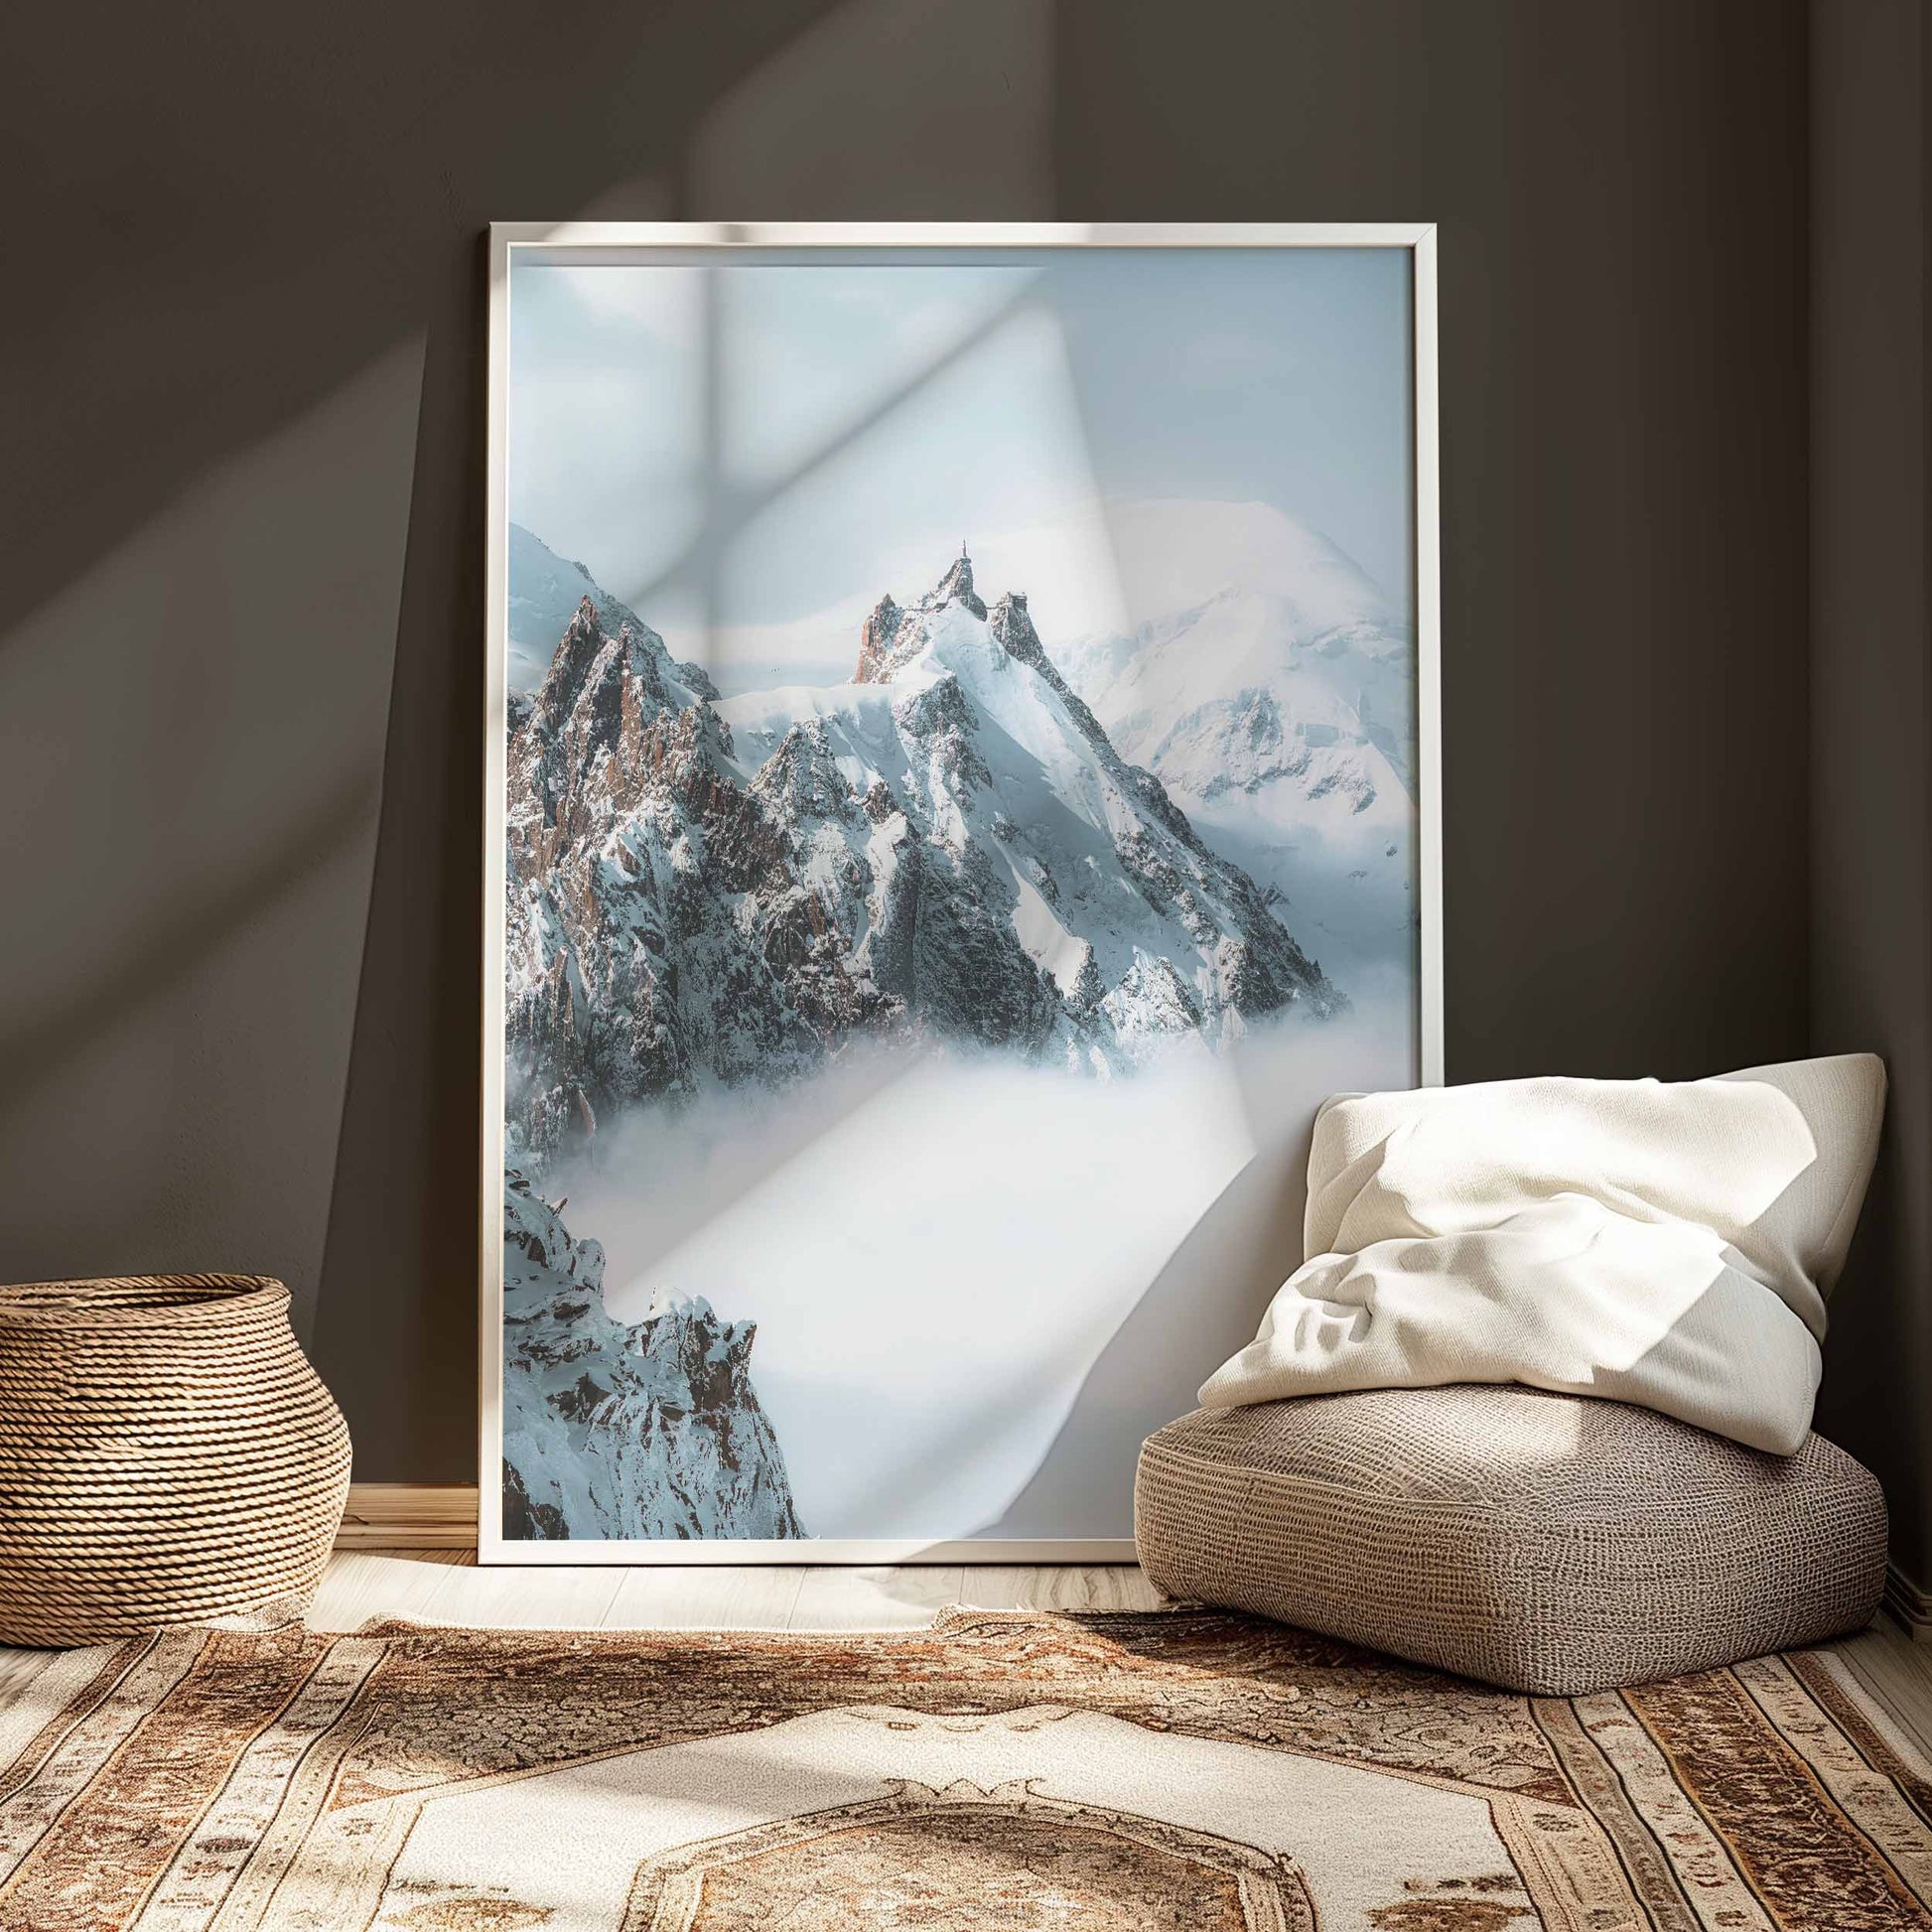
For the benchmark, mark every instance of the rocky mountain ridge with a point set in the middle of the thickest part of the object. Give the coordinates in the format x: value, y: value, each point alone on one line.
x: 716, y: 891
x: 624, y: 1431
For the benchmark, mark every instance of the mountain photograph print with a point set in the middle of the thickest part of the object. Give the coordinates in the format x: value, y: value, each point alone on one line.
x: 958, y: 784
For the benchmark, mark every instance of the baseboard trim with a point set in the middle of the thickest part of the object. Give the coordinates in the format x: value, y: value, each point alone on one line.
x: 1909, y: 1604
x: 409, y: 1516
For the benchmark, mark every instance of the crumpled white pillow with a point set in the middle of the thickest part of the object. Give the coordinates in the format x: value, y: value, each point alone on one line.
x: 1666, y: 1244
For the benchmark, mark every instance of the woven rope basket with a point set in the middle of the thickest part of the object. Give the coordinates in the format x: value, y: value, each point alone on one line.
x: 166, y: 1455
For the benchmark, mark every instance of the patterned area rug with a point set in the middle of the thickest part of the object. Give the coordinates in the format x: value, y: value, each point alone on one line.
x: 1171, y: 1772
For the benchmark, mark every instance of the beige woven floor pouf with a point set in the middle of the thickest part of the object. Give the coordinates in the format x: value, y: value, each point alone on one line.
x: 1555, y: 1544
x: 166, y: 1455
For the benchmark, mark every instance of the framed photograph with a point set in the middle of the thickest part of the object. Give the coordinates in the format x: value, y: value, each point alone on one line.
x: 961, y: 792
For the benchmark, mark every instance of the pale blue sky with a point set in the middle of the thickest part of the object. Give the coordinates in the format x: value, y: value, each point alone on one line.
x: 974, y: 397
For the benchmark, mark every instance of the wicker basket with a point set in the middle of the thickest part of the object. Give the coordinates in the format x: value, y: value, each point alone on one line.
x: 166, y: 1455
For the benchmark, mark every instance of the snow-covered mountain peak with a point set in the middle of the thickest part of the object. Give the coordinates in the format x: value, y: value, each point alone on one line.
x: 947, y: 633
x: 957, y: 585
x: 549, y: 596
x: 892, y: 636
x: 1272, y: 690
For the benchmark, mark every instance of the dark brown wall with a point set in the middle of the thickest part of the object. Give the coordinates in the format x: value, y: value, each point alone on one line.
x: 1872, y: 708
x: 242, y: 512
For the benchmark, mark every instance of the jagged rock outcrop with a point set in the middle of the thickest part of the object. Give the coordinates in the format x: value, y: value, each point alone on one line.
x: 723, y: 890
x: 875, y: 639
x: 957, y: 584
x: 544, y: 591
x: 620, y: 1431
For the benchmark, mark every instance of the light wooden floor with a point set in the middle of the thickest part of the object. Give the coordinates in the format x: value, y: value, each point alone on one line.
x: 445, y: 1587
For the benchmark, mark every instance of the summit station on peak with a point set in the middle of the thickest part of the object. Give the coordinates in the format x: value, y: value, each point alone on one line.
x: 957, y: 584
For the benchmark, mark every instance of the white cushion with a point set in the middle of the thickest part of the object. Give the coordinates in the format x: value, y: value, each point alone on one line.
x: 1663, y: 1243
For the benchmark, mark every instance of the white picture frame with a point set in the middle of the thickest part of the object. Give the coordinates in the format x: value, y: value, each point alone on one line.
x: 643, y: 242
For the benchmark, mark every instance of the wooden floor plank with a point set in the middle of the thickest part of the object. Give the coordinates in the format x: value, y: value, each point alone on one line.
x: 574, y: 1597
x: 845, y: 1597
x: 362, y: 1584
x: 19, y: 1668
x: 1897, y: 1673
x: 716, y: 1596
x: 1058, y: 1586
